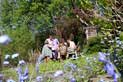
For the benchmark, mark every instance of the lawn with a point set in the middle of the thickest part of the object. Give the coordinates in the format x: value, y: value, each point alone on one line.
x: 85, y: 67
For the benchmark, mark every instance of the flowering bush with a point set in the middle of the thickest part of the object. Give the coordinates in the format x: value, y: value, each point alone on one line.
x: 108, y: 66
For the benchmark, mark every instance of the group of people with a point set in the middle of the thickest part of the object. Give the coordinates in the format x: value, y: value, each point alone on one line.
x: 56, y: 49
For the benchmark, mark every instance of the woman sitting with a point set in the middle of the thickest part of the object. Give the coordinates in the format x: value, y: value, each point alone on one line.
x: 46, y: 50
x: 71, y: 50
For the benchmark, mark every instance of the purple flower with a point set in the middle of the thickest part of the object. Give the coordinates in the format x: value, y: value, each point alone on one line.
x: 110, y: 69
x: 102, y: 57
x: 23, y: 76
x: 70, y: 65
x: 5, y: 62
x: 1, y: 76
x: 22, y: 62
x: 115, y: 79
x: 116, y: 76
x: 58, y: 73
x: 39, y: 78
x: 4, y: 39
x: 37, y: 68
x: 72, y: 80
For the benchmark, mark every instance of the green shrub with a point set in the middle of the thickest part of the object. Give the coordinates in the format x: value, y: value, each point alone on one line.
x: 93, y: 45
x: 21, y: 42
x: 121, y: 36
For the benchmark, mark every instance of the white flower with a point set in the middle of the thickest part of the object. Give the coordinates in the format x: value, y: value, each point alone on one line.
x: 94, y: 59
x: 21, y: 62
x: 13, y: 27
x: 102, y: 42
x: 39, y: 78
x: 105, y: 38
x: 7, y: 56
x: 15, y: 55
x: 117, y: 38
x: 5, y: 62
x: 10, y: 80
x: 102, y: 80
x: 115, y: 60
x: 58, y: 73
x: 4, y: 39
x: 87, y: 58
x: 122, y: 46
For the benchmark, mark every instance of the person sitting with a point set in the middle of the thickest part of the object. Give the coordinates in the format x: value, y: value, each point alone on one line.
x: 46, y: 50
x: 62, y: 49
x: 71, y: 48
x: 55, y: 48
x: 49, y: 41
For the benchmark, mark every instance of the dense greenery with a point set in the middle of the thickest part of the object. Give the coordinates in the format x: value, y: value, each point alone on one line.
x: 29, y: 22
x: 39, y: 17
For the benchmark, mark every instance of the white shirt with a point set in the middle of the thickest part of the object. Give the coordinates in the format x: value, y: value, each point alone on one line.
x: 72, y: 45
x: 55, y: 44
x: 50, y: 42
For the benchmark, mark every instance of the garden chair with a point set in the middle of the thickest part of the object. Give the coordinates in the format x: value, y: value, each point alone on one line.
x: 71, y: 53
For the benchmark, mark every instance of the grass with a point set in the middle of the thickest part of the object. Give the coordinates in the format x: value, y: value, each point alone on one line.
x: 52, y: 66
